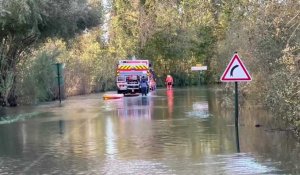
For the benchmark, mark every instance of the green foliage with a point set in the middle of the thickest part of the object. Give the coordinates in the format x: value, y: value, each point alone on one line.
x: 44, y: 76
x: 49, y: 17
x: 124, y: 28
x: 20, y: 17
x: 90, y: 63
x: 175, y: 45
x: 166, y: 32
x: 66, y: 18
x: 23, y: 22
x: 6, y: 85
x: 267, y: 38
x: 174, y: 35
x: 37, y: 78
x: 181, y: 48
x: 283, y: 96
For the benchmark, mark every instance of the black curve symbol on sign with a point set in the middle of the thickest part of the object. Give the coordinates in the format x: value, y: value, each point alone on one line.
x: 232, y: 69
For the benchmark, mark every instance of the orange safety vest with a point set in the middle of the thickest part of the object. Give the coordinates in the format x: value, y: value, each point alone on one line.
x: 169, y: 79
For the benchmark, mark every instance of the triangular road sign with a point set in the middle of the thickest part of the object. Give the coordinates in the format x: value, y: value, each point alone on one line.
x: 235, y: 71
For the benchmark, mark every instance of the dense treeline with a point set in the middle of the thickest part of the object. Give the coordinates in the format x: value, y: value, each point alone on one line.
x: 25, y: 24
x: 173, y: 34
x: 176, y: 35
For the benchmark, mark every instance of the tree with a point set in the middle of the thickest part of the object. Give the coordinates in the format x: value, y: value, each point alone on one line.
x: 26, y: 22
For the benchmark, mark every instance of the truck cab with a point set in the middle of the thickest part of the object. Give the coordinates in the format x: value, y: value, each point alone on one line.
x: 128, y: 84
x: 121, y: 84
x: 133, y: 84
x: 129, y: 75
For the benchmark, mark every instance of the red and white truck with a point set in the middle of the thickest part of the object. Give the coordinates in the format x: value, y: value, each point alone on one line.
x: 129, y: 74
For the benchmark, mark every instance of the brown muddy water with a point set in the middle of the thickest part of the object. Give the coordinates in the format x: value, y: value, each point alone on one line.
x: 180, y: 131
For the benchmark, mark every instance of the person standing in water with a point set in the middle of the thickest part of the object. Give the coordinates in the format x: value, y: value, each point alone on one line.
x: 169, y: 82
x: 144, y: 87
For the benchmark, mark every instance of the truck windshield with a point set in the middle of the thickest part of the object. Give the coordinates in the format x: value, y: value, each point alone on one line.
x: 121, y: 79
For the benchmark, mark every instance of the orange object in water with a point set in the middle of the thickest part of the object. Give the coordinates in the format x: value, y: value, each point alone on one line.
x: 112, y: 96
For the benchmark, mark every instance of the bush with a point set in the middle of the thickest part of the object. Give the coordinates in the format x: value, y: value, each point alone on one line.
x: 37, y: 79
x: 283, y: 96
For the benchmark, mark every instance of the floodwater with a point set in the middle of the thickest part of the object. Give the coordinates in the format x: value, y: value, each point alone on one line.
x: 180, y: 131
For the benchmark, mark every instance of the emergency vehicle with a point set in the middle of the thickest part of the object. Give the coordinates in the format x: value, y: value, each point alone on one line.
x: 129, y: 74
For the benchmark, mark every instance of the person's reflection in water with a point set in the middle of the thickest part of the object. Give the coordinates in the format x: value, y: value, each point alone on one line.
x: 170, y: 96
x: 145, y: 101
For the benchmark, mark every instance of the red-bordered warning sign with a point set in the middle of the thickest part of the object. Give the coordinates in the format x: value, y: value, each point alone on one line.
x: 235, y: 71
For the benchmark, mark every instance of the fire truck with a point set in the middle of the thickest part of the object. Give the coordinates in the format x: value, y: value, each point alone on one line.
x: 129, y: 75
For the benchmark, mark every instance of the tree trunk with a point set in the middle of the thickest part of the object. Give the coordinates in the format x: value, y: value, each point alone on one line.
x: 11, y: 52
x: 12, y: 97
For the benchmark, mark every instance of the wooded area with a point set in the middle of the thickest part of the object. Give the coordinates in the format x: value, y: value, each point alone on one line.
x: 173, y: 34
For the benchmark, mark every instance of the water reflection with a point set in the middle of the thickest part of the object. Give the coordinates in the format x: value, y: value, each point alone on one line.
x: 237, y: 138
x: 170, y: 97
x: 183, y: 131
x: 61, y: 124
x: 133, y: 107
x: 200, y: 110
x: 111, y: 147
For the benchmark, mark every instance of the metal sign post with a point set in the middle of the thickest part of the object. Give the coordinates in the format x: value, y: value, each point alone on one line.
x: 236, y: 72
x: 236, y: 107
x: 58, y: 81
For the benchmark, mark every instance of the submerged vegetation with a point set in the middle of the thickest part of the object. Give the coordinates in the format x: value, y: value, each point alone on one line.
x: 89, y: 37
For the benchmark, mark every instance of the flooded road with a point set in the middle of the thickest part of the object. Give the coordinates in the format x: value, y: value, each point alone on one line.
x: 180, y: 131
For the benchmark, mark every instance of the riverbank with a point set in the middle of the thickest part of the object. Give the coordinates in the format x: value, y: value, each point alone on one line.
x: 286, y: 113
